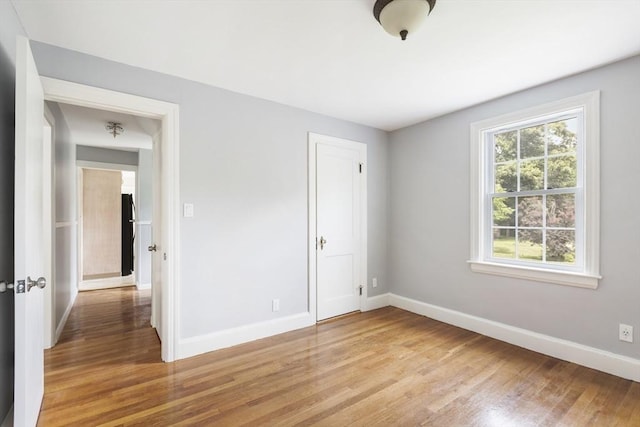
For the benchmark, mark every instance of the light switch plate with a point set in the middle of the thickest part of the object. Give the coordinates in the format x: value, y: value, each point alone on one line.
x: 188, y: 210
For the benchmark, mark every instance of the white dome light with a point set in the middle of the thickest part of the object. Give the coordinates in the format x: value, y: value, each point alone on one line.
x: 402, y: 17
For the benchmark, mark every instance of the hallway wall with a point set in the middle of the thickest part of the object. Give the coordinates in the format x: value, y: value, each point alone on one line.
x: 106, y: 155
x: 65, y: 250
x: 101, y: 224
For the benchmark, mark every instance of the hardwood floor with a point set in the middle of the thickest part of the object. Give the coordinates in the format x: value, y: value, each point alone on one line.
x: 382, y: 368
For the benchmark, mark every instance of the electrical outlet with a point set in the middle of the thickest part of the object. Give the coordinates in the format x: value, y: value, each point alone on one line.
x: 626, y: 333
x: 275, y: 305
x: 374, y: 282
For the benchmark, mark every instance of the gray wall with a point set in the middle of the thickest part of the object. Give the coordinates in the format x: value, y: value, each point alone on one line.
x: 429, y: 225
x: 106, y: 155
x: 243, y: 164
x: 145, y: 175
x: 65, y: 255
x: 9, y: 28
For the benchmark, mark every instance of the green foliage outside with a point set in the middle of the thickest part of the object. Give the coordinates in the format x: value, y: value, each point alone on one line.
x: 560, y: 164
x: 505, y: 247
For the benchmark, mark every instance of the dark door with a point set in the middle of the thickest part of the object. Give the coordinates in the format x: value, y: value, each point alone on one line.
x: 127, y: 234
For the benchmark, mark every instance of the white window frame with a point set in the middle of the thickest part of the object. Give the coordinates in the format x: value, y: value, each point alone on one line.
x: 585, y: 273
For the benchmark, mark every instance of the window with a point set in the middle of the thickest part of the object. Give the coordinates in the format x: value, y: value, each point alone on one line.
x: 535, y: 193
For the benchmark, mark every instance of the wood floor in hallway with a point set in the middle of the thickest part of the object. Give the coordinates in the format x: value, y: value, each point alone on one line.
x: 387, y: 367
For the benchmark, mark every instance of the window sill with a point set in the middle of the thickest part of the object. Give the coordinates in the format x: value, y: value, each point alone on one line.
x: 566, y: 278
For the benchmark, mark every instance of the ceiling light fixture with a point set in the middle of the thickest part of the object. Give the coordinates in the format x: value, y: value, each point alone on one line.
x: 402, y: 17
x: 114, y: 128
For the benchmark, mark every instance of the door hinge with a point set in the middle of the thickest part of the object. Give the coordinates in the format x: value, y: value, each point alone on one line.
x: 360, y: 287
x: 360, y: 167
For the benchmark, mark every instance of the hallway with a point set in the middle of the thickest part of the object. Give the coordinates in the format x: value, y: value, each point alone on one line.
x: 384, y: 367
x: 87, y: 374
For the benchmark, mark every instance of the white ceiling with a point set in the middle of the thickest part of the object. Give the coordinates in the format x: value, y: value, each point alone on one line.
x: 332, y: 57
x: 87, y: 127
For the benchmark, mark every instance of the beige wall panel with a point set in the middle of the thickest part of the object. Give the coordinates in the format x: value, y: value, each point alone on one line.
x: 101, y: 225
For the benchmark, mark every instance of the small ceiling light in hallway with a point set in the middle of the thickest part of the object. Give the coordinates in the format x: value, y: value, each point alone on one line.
x: 114, y: 128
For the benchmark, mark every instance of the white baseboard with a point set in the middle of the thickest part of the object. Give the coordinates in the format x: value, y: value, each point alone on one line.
x: 615, y: 364
x: 65, y: 316
x: 8, y: 420
x: 376, y: 302
x: 141, y: 286
x: 106, y: 283
x: 229, y: 337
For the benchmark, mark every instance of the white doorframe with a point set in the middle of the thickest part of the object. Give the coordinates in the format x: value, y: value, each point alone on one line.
x: 315, y: 139
x: 86, y: 164
x: 49, y: 228
x: 93, y: 97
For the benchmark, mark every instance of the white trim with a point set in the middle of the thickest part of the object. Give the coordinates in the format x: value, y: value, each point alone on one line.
x: 81, y: 165
x: 615, y: 364
x: 79, y: 224
x: 242, y: 334
x: 8, y: 420
x: 49, y: 225
x: 107, y: 283
x: 376, y: 302
x: 139, y: 249
x: 589, y: 103
x: 311, y: 234
x: 86, y: 164
x: 170, y: 226
x: 568, y: 278
x: 93, y: 97
x: 313, y: 140
x: 592, y: 182
x: 65, y: 317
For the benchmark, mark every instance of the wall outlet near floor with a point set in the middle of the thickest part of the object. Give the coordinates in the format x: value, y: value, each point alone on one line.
x: 626, y: 333
x: 374, y: 282
x: 275, y: 305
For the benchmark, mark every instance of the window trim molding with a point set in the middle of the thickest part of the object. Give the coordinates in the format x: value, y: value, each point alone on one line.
x: 588, y: 278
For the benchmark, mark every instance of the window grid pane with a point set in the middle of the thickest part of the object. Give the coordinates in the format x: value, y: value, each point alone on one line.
x: 543, y: 175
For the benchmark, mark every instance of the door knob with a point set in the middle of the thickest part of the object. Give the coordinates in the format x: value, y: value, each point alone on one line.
x: 152, y: 248
x: 41, y: 283
x: 323, y: 242
x: 4, y: 286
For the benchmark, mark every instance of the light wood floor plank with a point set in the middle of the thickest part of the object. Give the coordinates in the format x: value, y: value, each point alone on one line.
x: 388, y: 367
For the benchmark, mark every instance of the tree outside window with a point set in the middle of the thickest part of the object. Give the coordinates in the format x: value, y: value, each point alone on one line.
x: 534, y: 192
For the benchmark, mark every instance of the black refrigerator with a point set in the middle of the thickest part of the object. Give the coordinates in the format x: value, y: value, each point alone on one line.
x: 128, y: 235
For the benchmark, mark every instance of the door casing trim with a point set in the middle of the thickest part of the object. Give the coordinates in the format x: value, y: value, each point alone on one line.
x: 92, y: 97
x: 49, y: 224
